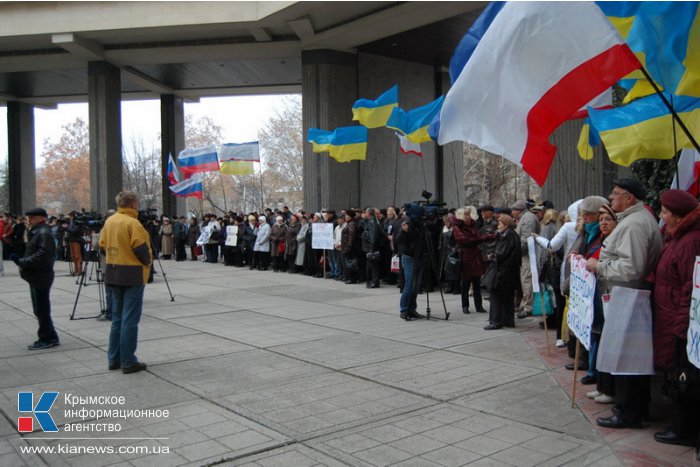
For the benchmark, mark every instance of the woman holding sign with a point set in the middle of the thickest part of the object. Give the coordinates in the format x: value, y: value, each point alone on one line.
x: 673, y: 291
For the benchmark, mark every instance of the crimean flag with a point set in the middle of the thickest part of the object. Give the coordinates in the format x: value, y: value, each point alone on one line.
x: 688, y: 175
x: 665, y: 36
x: 197, y: 160
x: 374, y: 114
x: 343, y: 144
x: 414, y: 123
x: 643, y: 129
x: 189, y: 187
x: 238, y: 159
x: 533, y: 65
x: 407, y: 147
x: 173, y: 171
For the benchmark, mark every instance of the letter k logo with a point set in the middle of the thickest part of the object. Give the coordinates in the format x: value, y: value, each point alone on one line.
x: 25, y: 403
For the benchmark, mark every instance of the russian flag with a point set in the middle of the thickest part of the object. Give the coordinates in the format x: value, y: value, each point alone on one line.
x: 173, y: 172
x: 189, y: 187
x: 197, y: 160
x: 522, y: 70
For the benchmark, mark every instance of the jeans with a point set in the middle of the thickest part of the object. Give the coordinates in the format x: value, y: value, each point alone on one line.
x: 465, y: 285
x: 332, y: 263
x: 41, y: 304
x: 127, y: 303
x: 413, y: 275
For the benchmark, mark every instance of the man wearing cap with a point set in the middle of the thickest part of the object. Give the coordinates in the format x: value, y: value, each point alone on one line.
x: 527, y: 225
x: 36, y: 267
x: 628, y: 255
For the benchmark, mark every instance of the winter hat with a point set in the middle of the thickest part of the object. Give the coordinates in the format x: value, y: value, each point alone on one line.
x: 261, y: 218
x: 519, y: 206
x: 607, y: 209
x: 633, y: 186
x: 591, y: 204
x: 37, y: 212
x: 679, y: 202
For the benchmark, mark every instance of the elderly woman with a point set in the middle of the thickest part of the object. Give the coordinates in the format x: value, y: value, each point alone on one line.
x: 301, y: 243
x: 507, y: 257
x: 262, y: 244
x: 467, y: 237
x: 166, y: 238
x: 672, y: 298
x: 290, y: 242
x: 448, y: 248
x: 277, y: 236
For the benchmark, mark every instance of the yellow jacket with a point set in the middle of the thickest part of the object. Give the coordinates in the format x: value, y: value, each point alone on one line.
x: 127, y: 246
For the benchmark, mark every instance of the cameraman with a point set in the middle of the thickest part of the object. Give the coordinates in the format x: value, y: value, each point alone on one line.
x: 409, y: 247
x: 127, y: 247
x: 74, y: 237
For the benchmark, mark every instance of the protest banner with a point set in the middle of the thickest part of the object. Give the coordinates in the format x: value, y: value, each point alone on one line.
x: 693, y: 347
x: 232, y: 235
x: 204, y: 236
x: 581, y: 293
x: 322, y: 238
x: 532, y: 253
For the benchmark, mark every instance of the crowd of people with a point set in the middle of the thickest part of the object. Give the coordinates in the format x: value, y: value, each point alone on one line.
x: 480, y: 253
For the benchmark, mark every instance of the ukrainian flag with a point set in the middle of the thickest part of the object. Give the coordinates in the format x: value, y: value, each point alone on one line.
x: 665, y: 37
x: 588, y: 138
x: 414, y: 123
x: 344, y: 144
x: 644, y: 128
x: 374, y: 114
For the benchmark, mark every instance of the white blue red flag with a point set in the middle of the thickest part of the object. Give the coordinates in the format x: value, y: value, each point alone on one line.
x: 197, y: 160
x: 408, y: 147
x: 522, y: 70
x: 173, y: 171
x: 189, y: 187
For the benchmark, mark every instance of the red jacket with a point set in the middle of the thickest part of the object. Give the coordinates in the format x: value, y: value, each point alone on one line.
x: 467, y: 236
x: 673, y: 287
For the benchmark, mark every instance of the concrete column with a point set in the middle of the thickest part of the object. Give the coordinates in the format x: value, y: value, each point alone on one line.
x: 329, y: 89
x: 104, y: 99
x: 21, y: 166
x: 172, y: 141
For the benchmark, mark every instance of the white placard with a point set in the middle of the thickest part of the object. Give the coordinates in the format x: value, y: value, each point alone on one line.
x: 204, y: 236
x: 232, y: 235
x: 322, y: 236
x: 532, y: 253
x: 581, y: 294
x: 693, y: 347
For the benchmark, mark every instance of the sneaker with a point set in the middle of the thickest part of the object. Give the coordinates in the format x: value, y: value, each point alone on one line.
x: 593, y: 394
x: 39, y: 345
x: 140, y: 366
x: 560, y: 343
x: 604, y: 399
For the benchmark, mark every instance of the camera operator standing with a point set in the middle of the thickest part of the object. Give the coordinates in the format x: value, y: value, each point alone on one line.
x: 127, y: 247
x: 36, y: 267
x: 409, y: 247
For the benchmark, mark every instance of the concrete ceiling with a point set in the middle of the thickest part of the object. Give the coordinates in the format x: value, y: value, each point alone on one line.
x: 196, y: 49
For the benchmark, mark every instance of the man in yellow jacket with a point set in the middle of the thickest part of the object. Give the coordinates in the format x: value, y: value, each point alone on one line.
x: 126, y: 245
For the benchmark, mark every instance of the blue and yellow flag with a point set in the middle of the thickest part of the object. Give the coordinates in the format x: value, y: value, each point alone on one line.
x: 587, y: 140
x: 643, y: 129
x: 665, y: 37
x: 374, y: 114
x: 414, y: 123
x: 344, y: 144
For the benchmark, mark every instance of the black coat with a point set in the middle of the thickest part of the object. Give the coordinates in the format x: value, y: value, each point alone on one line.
x: 36, y: 267
x: 508, y: 261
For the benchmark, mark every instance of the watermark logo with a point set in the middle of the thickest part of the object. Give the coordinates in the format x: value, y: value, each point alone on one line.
x: 25, y: 404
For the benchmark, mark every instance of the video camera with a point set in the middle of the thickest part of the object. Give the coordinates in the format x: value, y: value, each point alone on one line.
x: 147, y: 215
x: 89, y: 221
x: 425, y: 210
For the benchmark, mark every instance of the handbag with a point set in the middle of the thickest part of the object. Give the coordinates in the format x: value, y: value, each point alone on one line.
x: 489, y: 280
x: 453, y: 267
x: 395, y: 263
x: 548, y: 297
x: 682, y: 381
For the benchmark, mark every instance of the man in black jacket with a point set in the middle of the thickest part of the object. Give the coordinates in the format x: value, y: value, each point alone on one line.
x: 36, y: 267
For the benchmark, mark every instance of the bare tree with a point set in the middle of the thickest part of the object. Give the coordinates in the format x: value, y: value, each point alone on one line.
x: 4, y: 188
x: 141, y: 169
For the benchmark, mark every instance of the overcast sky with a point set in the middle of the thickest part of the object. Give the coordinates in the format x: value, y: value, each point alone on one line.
x: 240, y: 117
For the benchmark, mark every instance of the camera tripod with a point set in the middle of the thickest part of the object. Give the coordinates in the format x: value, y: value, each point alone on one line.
x: 431, y: 267
x: 91, y: 262
x: 162, y: 271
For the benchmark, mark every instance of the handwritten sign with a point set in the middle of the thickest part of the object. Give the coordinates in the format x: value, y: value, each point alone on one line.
x: 204, y: 236
x: 232, y: 235
x: 581, y: 294
x: 693, y: 347
x: 322, y: 236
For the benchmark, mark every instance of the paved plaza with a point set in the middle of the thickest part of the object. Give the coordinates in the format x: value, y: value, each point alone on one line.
x: 262, y: 368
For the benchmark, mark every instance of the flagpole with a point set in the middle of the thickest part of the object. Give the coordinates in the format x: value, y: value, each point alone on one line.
x: 676, y: 155
x: 670, y: 108
x: 396, y: 168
